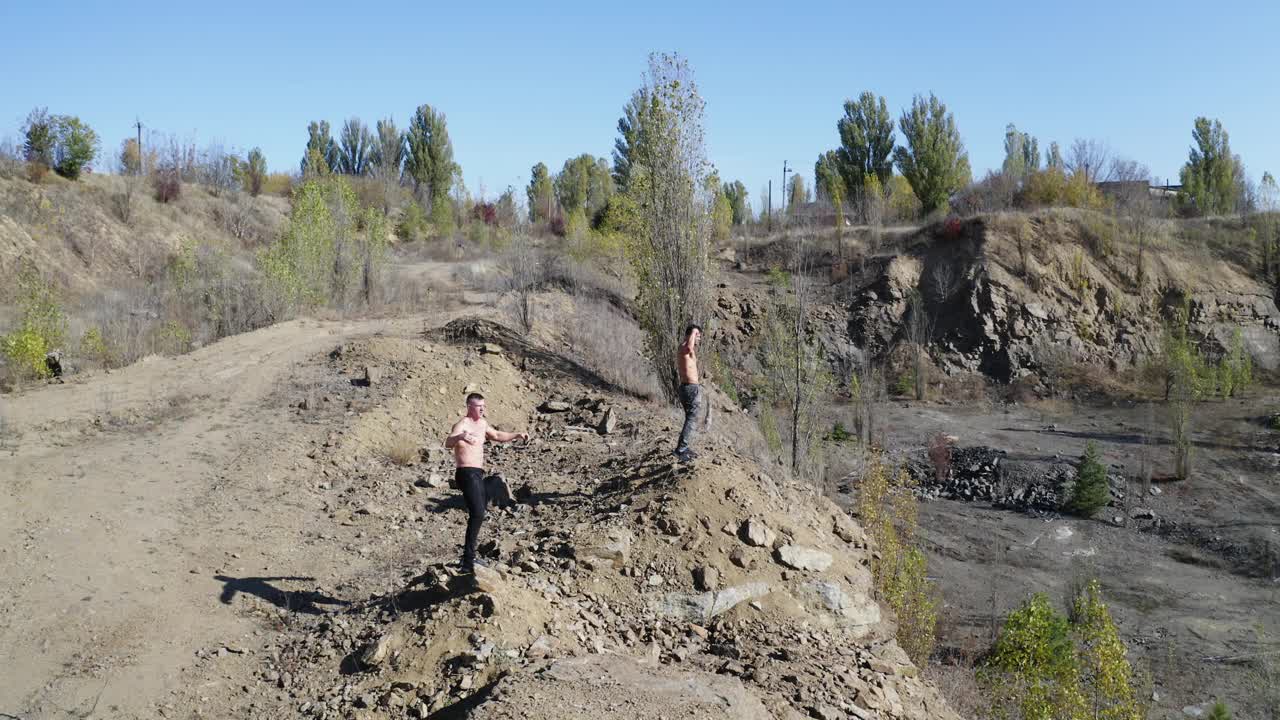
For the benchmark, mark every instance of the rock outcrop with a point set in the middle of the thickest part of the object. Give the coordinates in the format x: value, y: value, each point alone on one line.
x: 1005, y: 312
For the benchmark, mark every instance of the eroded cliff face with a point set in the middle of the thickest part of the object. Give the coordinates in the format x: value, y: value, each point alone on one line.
x: 1006, y: 308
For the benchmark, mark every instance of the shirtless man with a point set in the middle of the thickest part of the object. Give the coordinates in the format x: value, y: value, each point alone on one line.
x: 690, y: 390
x: 467, y: 439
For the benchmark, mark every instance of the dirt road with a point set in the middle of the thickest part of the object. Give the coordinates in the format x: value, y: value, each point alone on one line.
x: 124, y: 496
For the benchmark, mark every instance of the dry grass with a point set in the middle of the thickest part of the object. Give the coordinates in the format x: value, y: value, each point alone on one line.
x: 969, y: 389
x: 74, y: 230
x: 959, y: 685
x: 402, y: 450
x: 611, y: 344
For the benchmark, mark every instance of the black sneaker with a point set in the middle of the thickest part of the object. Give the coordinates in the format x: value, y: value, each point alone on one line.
x: 686, y: 456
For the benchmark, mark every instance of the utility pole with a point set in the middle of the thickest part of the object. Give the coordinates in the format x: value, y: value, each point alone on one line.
x: 138, y: 124
x: 769, y: 208
x: 784, y: 185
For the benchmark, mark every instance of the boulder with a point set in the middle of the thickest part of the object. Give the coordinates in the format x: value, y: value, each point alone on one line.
x: 486, y: 579
x: 434, y: 480
x: 755, y: 532
x: 554, y: 406
x: 701, y: 607
x: 372, y: 375
x: 856, y: 609
x: 609, y: 422
x: 706, y: 577
x: 379, y: 651
x: 629, y: 689
x: 542, y: 647
x: 614, y: 548
x: 798, y: 557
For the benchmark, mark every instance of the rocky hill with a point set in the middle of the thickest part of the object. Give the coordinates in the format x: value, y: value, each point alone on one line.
x: 620, y: 583
x: 105, y: 230
x: 1009, y: 295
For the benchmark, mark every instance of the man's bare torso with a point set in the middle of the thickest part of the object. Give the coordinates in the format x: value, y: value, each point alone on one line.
x: 687, y: 365
x: 470, y: 454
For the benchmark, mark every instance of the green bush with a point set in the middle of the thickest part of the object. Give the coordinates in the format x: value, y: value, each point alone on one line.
x: 413, y: 224
x: 839, y: 433
x: 1045, y: 667
x: 41, y: 136
x: 1054, y: 188
x: 1220, y: 712
x: 1235, y: 372
x: 41, y: 328
x: 95, y: 348
x: 172, y: 338
x: 905, y: 385
x: 330, y: 251
x: 1090, y: 492
x: 1032, y: 671
x: 76, y: 147
x: 888, y: 510
x: 1106, y: 676
x: 722, y: 218
x: 442, y: 218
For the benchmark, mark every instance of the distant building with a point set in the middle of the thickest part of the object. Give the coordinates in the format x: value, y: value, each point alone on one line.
x: 1119, y: 190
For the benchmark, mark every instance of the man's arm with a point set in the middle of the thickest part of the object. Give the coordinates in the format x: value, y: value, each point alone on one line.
x: 502, y: 437
x: 455, y: 436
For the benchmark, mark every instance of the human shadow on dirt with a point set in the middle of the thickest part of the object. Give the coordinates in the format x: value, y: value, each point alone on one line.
x: 298, y: 601
x: 641, y: 478
x: 524, y: 496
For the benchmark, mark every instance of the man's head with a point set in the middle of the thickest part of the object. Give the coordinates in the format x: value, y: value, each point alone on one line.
x: 475, y: 406
x: 692, y: 334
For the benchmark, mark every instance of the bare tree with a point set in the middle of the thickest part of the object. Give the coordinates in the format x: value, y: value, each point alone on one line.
x: 125, y: 195
x: 523, y: 269
x: 1137, y: 210
x: 795, y: 371
x: 1126, y: 170
x: 1092, y: 157
x: 919, y: 333
x: 945, y: 281
x: 866, y: 390
x: 218, y: 169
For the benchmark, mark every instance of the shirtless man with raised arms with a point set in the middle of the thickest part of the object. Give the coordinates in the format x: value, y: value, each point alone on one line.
x: 690, y: 390
x: 467, y: 439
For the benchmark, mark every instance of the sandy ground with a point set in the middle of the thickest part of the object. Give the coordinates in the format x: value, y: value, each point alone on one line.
x: 122, y: 493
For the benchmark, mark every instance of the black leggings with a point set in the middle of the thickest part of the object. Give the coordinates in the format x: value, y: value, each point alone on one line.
x: 471, y: 481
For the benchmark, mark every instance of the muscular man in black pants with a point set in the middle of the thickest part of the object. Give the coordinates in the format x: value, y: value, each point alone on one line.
x: 467, y: 439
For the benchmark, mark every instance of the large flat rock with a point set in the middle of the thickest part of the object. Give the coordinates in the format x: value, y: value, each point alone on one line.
x: 616, y: 686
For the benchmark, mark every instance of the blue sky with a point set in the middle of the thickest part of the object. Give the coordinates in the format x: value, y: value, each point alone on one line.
x: 529, y: 82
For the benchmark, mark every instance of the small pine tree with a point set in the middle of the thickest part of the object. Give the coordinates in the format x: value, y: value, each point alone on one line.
x: 1090, y: 492
x: 1220, y: 711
